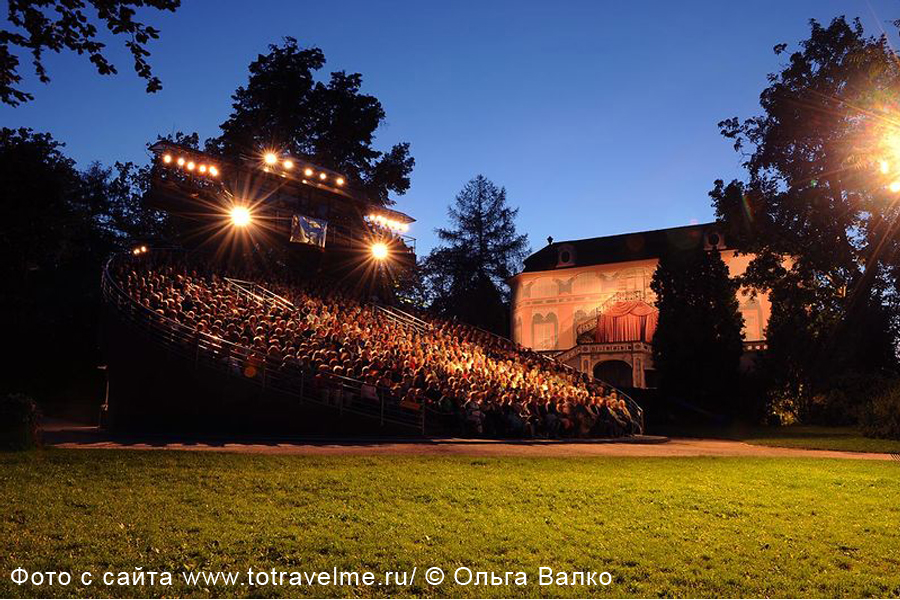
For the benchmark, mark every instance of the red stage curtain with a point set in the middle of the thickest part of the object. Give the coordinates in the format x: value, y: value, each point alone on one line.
x: 632, y: 321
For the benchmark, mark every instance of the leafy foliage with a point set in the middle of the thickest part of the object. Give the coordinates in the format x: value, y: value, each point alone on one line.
x: 881, y: 417
x: 466, y: 276
x: 698, y: 345
x: 58, y: 25
x: 283, y: 107
x: 18, y: 422
x: 56, y: 234
x: 817, y: 211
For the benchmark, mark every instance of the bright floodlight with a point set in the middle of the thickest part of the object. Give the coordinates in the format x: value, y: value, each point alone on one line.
x: 270, y: 158
x: 308, y: 172
x: 213, y: 171
x: 339, y: 181
x: 288, y: 164
x: 894, y: 186
x: 240, y: 216
x: 167, y: 158
x: 379, y: 250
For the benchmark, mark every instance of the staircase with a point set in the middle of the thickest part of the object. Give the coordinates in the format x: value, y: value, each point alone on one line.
x: 590, y: 322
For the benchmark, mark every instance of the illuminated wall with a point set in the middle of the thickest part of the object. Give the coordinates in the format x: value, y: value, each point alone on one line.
x: 546, y: 305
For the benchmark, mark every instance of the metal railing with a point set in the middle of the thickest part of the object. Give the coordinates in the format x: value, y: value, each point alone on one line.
x: 404, y: 319
x: 258, y: 293
x: 262, y: 295
x: 207, y: 351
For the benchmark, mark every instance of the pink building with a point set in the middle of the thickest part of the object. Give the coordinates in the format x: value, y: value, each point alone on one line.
x: 566, y: 287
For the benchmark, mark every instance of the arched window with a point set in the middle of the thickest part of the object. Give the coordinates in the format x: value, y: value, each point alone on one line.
x: 544, y: 286
x: 586, y: 283
x: 752, y: 313
x: 544, y: 332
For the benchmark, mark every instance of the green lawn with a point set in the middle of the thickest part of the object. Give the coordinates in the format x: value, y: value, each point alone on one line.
x: 811, y: 437
x: 662, y: 527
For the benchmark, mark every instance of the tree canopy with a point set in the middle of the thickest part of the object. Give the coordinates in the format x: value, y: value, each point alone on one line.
x: 57, y: 25
x: 283, y: 107
x: 820, y: 206
x: 58, y: 228
x: 698, y: 342
x: 466, y: 276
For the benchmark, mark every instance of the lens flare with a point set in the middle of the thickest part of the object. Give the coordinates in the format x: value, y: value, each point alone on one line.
x: 379, y: 250
x: 240, y: 216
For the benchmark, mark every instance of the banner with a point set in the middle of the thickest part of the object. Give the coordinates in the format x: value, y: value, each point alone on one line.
x: 307, y: 230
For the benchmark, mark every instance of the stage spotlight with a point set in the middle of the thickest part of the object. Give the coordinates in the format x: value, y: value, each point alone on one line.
x: 323, y: 176
x: 288, y: 164
x: 308, y: 172
x: 190, y: 166
x: 180, y: 161
x: 143, y: 249
x: 884, y: 166
x: 339, y: 181
x: 240, y: 216
x: 167, y: 158
x: 202, y: 168
x: 895, y: 186
x: 379, y: 250
x: 214, y: 171
x: 270, y: 158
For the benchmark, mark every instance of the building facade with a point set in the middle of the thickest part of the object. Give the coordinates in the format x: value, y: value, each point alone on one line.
x: 565, y: 286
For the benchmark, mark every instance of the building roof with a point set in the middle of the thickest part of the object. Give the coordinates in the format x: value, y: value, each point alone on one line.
x: 623, y: 247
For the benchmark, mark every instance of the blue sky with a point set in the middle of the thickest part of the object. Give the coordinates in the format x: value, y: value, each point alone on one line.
x: 597, y: 117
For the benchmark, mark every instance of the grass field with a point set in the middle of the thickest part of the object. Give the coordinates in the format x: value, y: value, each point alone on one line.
x: 811, y: 437
x: 661, y: 527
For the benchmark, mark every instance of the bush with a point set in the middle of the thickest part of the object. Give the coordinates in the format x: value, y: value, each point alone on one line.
x: 18, y: 422
x: 846, y: 397
x: 881, y: 417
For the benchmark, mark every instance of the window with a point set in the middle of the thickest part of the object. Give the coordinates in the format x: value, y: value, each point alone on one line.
x: 586, y: 283
x: 544, y: 286
x: 544, y: 332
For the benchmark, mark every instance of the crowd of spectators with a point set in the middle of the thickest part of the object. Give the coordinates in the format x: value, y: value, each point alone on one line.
x: 467, y: 380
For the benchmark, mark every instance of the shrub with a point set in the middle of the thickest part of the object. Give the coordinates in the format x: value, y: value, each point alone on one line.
x: 881, y: 417
x: 18, y: 422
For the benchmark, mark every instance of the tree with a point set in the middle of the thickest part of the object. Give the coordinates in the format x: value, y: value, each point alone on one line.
x: 819, y: 210
x: 59, y: 227
x: 41, y: 221
x: 466, y: 276
x: 333, y: 124
x: 58, y: 25
x: 698, y: 342
x: 49, y: 244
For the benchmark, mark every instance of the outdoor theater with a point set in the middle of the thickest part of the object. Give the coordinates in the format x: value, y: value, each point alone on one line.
x: 278, y: 313
x: 588, y: 303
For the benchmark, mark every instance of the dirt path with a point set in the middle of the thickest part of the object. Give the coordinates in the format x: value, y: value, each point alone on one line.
x: 89, y: 438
